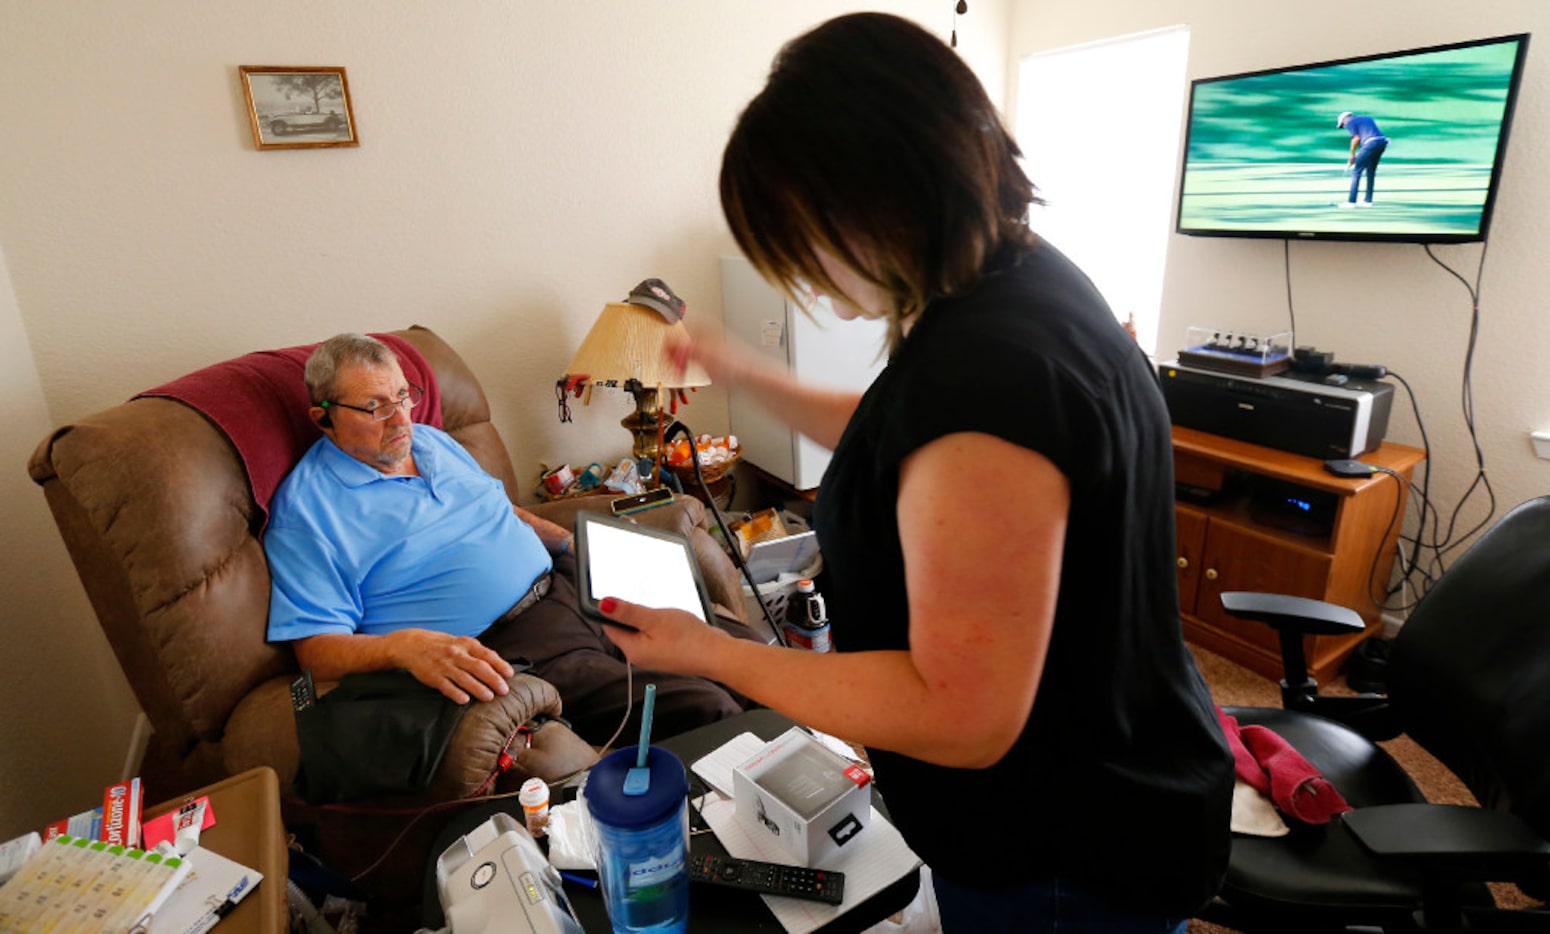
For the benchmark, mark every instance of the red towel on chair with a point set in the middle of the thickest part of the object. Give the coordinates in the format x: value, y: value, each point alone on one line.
x: 1269, y: 763
x: 259, y: 401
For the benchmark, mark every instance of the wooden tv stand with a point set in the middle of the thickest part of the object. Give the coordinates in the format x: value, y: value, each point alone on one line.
x: 1228, y: 545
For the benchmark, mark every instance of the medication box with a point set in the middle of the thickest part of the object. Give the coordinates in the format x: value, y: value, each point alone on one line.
x: 812, y: 801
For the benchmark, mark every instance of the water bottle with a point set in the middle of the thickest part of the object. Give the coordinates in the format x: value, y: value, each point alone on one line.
x: 642, y: 842
x: 807, y: 620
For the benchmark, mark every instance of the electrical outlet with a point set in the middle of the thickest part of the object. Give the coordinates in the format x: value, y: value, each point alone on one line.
x: 1541, y: 441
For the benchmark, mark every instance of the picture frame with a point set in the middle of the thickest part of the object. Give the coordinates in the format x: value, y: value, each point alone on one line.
x: 294, y: 107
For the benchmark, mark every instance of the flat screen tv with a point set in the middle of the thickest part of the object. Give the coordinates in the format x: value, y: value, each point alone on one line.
x: 1404, y: 146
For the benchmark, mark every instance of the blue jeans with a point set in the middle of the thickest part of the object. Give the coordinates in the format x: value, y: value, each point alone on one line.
x: 1366, y: 163
x: 1049, y: 907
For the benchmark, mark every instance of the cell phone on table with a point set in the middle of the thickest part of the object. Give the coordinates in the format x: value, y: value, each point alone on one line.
x: 647, y: 566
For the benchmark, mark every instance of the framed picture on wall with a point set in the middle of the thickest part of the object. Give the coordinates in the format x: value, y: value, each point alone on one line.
x: 299, y: 108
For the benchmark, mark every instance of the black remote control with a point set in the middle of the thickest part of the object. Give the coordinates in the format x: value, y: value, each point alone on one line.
x: 303, y: 694
x: 752, y: 875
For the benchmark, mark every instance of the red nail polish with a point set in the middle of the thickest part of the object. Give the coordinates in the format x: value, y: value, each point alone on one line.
x: 608, y: 604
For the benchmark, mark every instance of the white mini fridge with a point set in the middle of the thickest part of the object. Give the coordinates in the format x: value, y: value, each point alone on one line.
x: 822, y: 350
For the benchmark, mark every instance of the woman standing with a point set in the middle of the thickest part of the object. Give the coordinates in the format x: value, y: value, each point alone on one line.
x: 997, y: 519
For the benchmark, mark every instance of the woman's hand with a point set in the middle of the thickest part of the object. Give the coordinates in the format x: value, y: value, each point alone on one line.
x: 726, y: 363
x: 663, y: 640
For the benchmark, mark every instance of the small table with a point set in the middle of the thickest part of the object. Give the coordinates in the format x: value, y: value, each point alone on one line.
x: 711, y: 908
x: 248, y: 830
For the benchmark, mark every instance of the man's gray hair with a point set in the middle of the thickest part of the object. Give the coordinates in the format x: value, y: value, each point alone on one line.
x: 338, y: 352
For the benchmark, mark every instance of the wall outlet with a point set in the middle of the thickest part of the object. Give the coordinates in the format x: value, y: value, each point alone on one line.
x: 1541, y: 441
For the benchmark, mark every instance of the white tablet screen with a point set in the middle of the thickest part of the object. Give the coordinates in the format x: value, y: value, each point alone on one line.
x: 641, y: 568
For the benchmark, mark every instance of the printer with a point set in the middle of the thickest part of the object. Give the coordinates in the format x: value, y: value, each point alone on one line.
x: 1309, y: 415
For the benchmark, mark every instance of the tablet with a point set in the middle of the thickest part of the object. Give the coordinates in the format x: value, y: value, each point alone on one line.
x: 644, y: 565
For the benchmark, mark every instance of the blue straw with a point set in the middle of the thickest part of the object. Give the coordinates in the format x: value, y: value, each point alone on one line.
x: 637, y: 781
x: 645, y: 726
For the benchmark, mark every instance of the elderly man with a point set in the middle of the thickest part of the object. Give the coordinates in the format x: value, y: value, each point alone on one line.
x: 389, y: 547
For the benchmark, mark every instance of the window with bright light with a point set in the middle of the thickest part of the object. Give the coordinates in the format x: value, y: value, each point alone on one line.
x: 1099, y: 127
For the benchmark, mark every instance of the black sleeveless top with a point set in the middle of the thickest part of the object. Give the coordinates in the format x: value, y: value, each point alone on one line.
x: 1121, y: 782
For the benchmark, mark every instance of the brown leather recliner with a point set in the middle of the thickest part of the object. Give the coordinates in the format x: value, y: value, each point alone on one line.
x: 158, y: 514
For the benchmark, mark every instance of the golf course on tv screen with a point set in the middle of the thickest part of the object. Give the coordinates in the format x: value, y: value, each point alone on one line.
x: 1404, y: 147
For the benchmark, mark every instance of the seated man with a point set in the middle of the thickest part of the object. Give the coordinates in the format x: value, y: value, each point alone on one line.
x: 389, y: 547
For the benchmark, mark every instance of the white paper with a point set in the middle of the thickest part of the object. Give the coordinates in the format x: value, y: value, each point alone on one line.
x: 212, y: 881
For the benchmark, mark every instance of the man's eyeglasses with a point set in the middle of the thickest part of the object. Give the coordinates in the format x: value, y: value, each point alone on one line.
x: 382, y: 411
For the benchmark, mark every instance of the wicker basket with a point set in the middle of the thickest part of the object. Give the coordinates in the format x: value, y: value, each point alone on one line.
x: 711, y: 472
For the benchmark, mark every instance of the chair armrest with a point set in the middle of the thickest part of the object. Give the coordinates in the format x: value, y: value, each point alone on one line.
x: 1298, y: 614
x: 1471, y: 843
x: 1296, y: 617
x: 1451, y: 844
x: 262, y: 731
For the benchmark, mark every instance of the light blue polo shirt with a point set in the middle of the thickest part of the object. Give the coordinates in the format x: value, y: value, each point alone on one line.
x: 354, y: 550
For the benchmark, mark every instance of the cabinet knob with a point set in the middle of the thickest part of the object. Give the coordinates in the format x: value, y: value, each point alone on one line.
x: 1183, y: 562
x: 1210, y: 574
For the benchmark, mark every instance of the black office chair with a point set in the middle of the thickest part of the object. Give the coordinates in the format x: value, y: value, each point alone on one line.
x: 1468, y: 680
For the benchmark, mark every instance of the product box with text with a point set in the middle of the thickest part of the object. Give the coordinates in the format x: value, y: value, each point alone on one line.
x: 811, y: 800
x: 121, y: 807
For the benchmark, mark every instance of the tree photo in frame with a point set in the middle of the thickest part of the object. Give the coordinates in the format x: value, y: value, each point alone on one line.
x: 299, y: 108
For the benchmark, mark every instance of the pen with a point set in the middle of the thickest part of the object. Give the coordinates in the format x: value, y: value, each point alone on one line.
x: 579, y: 880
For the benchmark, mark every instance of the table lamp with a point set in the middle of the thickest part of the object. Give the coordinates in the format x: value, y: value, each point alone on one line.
x: 626, y: 350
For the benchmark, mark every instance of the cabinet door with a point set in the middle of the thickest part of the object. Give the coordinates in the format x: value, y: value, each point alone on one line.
x: 1236, y: 558
x: 1190, y: 532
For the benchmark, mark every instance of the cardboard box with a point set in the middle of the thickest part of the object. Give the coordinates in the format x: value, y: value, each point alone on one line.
x: 811, y: 800
x: 121, y: 810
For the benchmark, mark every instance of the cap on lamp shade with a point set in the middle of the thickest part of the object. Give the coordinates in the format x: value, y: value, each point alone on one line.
x: 627, y: 348
x: 627, y: 342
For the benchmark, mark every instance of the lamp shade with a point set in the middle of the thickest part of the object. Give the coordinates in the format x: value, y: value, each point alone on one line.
x: 628, y: 342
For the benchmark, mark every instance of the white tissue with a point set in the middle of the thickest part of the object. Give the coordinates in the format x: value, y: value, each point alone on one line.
x: 571, y: 840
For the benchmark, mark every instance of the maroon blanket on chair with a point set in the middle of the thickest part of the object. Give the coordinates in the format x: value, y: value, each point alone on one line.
x: 259, y: 401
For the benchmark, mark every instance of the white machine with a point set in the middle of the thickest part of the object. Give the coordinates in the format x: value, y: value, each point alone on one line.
x: 496, y: 879
x: 823, y: 350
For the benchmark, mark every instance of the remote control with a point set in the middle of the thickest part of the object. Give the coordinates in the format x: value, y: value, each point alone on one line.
x: 303, y: 694
x: 752, y: 875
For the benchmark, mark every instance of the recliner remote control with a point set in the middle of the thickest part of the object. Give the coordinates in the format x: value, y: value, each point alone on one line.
x: 752, y: 875
x: 303, y: 694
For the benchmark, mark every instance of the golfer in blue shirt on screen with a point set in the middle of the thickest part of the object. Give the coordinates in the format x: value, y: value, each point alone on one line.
x: 1367, y: 145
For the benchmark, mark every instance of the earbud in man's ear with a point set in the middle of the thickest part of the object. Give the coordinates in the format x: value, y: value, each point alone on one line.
x: 325, y: 420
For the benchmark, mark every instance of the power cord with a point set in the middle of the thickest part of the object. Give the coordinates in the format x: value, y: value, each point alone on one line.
x: 679, y: 427
x: 1481, y: 480
x: 1441, y: 542
x: 1291, y: 311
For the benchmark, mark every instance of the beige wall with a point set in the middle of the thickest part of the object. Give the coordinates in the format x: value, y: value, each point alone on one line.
x: 521, y: 164
x: 1370, y: 303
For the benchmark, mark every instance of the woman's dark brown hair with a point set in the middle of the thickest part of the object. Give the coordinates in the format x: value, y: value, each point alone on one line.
x: 875, y: 143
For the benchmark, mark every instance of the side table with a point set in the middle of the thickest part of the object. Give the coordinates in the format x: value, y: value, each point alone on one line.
x: 712, y: 909
x: 248, y: 830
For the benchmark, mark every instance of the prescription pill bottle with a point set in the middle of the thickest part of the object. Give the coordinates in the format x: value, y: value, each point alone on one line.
x: 534, y: 798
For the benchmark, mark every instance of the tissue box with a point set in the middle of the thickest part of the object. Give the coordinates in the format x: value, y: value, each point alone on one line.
x: 812, y: 801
